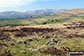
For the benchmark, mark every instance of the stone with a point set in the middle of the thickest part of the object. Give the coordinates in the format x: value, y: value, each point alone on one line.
x: 53, y: 42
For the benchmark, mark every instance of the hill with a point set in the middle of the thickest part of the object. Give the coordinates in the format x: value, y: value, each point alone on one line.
x: 28, y: 14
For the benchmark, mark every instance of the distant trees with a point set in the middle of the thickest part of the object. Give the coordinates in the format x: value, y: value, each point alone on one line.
x: 51, y: 21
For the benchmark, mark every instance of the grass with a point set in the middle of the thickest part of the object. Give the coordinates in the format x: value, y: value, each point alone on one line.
x: 55, y: 21
x: 22, y: 49
x: 22, y: 21
x: 73, y: 44
x: 14, y: 21
x: 40, y: 20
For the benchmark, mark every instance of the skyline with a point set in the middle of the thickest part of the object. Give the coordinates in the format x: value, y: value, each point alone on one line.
x: 21, y: 5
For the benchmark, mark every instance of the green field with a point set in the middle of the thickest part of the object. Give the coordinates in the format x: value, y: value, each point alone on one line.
x: 40, y: 20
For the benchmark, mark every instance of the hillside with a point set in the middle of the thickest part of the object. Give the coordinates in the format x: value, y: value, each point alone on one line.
x: 73, y: 12
x: 50, y: 35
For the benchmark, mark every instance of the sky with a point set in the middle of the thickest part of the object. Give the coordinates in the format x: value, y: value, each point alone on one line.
x: 25, y: 5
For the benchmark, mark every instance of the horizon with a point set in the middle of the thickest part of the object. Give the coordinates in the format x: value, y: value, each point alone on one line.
x: 38, y: 9
x: 29, y: 5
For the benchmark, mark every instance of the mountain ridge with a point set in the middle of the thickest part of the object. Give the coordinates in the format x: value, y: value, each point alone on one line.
x: 29, y: 14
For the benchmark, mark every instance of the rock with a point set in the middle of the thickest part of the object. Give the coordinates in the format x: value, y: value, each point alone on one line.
x: 52, y: 42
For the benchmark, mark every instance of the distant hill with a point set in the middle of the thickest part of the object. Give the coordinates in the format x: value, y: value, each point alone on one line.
x: 73, y: 13
x: 28, y: 14
x: 38, y: 13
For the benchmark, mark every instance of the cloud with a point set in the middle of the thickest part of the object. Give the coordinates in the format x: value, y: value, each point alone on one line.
x: 14, y: 3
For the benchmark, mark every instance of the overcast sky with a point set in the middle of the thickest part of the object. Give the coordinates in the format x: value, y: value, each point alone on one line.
x: 24, y: 5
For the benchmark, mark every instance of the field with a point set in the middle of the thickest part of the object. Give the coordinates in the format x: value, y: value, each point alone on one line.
x: 44, y: 36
